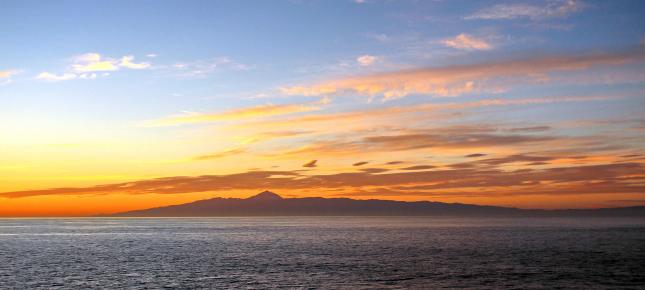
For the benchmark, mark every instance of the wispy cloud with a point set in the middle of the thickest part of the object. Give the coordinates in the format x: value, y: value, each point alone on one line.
x: 93, y: 62
x: 88, y: 65
x: 455, y: 140
x: 370, y: 134
x: 310, y: 164
x: 50, y: 77
x: 552, y: 9
x: 5, y: 76
x: 531, y: 129
x: 222, y: 154
x: 237, y: 114
x: 366, y: 60
x: 202, y: 68
x: 7, y: 73
x: 382, y: 117
x: 380, y: 37
x: 610, y: 178
x: 461, y: 79
x: 405, y: 142
x: 127, y: 62
x: 467, y: 42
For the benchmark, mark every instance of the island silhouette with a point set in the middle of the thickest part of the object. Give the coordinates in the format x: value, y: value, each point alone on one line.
x: 268, y: 203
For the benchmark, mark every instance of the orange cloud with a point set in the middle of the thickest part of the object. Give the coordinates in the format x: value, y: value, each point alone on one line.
x: 310, y: 164
x: 7, y: 73
x: 467, y: 42
x: 383, y: 117
x: 366, y: 60
x: 5, y: 76
x: 457, y: 80
x: 244, y: 113
x: 606, y: 179
x: 403, y: 142
x: 217, y: 155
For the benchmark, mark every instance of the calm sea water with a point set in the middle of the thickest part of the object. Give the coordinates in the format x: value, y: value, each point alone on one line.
x: 329, y: 252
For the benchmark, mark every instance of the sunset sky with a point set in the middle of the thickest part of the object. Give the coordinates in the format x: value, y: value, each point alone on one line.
x: 108, y: 106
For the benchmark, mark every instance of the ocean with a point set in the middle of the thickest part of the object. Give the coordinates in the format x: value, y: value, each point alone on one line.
x: 322, y: 252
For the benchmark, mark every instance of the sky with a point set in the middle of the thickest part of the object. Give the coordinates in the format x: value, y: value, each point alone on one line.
x: 109, y: 106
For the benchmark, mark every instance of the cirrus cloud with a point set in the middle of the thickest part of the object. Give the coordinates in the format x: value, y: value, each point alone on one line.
x: 243, y: 113
x: 552, y: 9
x: 467, y: 42
x: 461, y: 79
x: 5, y: 76
x: 50, y: 77
x: 366, y: 60
x: 86, y: 66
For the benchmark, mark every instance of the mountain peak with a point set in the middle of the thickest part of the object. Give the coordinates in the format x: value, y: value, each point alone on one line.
x: 265, y: 195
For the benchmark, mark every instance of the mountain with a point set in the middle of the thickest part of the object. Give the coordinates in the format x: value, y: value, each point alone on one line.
x: 270, y: 204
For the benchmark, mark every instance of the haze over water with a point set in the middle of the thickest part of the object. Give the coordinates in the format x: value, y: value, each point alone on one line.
x: 322, y: 252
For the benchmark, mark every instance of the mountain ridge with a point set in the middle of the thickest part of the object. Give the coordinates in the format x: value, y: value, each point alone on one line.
x: 268, y: 203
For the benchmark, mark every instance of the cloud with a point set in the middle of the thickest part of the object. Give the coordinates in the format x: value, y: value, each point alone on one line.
x: 513, y: 159
x: 225, y: 153
x: 418, y: 167
x: 88, y: 76
x: 360, y: 163
x: 631, y: 155
x: 93, y: 62
x: 467, y: 42
x: 5, y: 76
x: 418, y: 141
x: 405, y: 142
x: 461, y: 79
x: 531, y: 129
x: 380, y: 37
x: 374, y: 170
x: 126, y: 61
x: 628, y: 201
x: 475, y: 155
x: 347, y: 139
x: 311, y: 163
x: 612, y: 178
x: 86, y: 66
x: 260, y: 111
x: 552, y: 9
x: 366, y: 60
x: 203, y: 68
x: 265, y: 136
x: 50, y: 77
